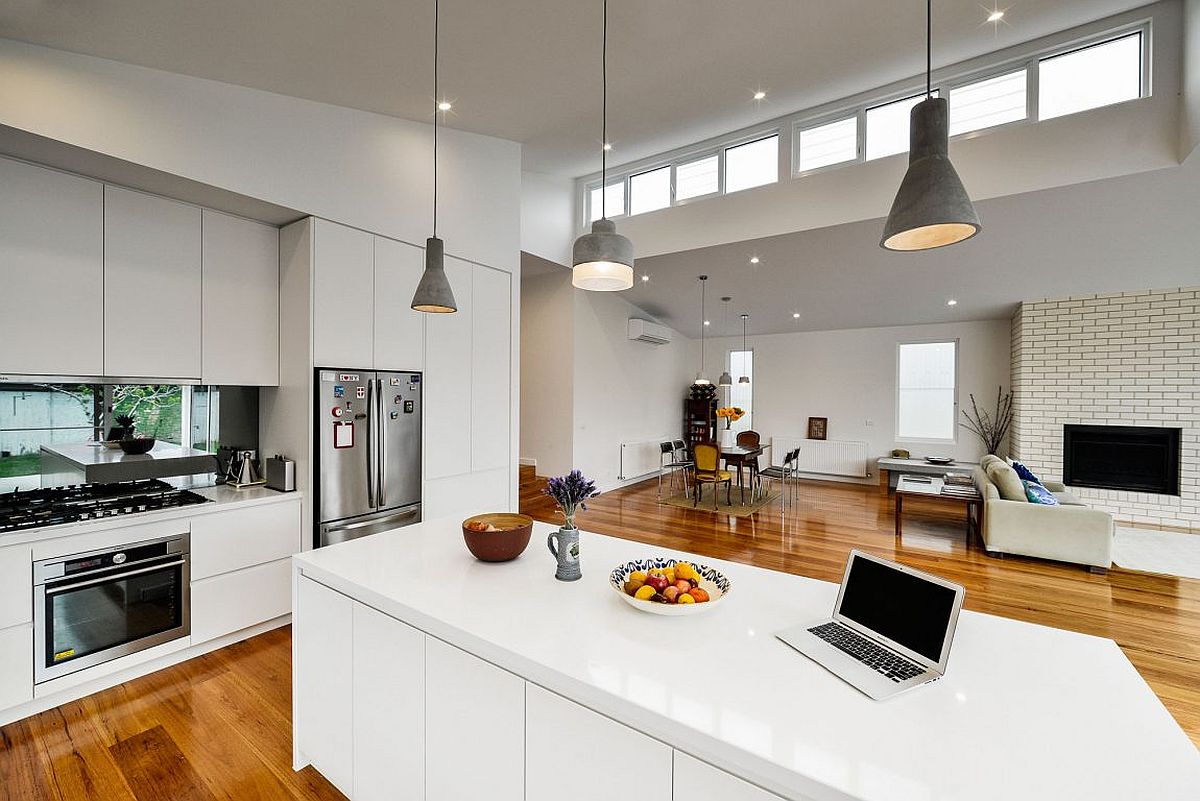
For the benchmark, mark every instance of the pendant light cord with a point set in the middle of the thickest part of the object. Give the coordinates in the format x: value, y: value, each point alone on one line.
x: 436, y: 110
x: 604, y: 113
x: 928, y: 48
x: 703, y: 282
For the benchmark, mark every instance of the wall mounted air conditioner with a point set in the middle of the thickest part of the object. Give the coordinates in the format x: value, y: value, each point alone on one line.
x: 646, y: 331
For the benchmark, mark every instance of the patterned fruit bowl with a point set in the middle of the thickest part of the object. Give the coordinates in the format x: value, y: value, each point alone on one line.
x: 669, y: 586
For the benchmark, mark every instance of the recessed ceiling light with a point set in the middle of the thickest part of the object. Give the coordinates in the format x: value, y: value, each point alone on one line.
x: 645, y: 278
x: 608, y: 145
x: 795, y: 315
x: 754, y: 259
x: 706, y: 322
x: 995, y: 16
x: 952, y: 302
x: 760, y: 94
x: 445, y: 106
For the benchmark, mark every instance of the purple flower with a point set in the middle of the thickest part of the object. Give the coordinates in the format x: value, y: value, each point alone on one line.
x: 571, y: 492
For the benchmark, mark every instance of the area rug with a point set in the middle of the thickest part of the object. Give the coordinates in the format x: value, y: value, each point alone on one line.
x: 1168, y: 552
x: 737, y: 509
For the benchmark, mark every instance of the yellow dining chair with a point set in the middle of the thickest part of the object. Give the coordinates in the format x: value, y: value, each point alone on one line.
x: 708, y: 471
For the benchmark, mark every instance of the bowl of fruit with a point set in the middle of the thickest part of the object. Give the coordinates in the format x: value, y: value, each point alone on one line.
x: 498, y: 536
x: 669, y: 586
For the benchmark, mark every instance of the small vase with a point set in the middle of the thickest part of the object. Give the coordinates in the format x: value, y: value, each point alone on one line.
x: 564, y: 544
x: 726, y: 437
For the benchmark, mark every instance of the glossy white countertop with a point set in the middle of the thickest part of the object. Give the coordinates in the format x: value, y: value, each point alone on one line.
x: 1025, y: 711
x: 220, y: 497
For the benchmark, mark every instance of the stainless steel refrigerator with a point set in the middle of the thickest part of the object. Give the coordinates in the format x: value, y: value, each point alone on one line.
x: 368, y: 453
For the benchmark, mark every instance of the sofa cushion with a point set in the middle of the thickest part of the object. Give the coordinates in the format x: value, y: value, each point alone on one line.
x: 1023, y: 472
x: 1036, y: 493
x: 1006, y: 481
x: 1065, y: 498
x: 986, y: 461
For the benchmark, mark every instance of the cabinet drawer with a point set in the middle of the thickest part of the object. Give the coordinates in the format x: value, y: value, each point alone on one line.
x: 16, y: 665
x: 699, y: 781
x: 233, y: 601
x: 240, y: 538
x: 16, y: 585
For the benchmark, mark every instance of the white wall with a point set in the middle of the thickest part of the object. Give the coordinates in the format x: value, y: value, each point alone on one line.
x: 624, y: 391
x: 547, y: 370
x: 365, y: 170
x: 547, y: 216
x: 849, y: 376
x: 1190, y: 128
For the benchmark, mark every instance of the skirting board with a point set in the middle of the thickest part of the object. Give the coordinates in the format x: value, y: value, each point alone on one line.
x: 528, y: 461
x: 122, y: 675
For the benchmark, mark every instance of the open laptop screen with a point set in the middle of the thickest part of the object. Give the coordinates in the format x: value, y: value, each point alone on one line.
x: 905, y: 608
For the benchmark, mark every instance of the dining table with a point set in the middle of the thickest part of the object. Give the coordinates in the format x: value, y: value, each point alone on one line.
x: 743, y: 456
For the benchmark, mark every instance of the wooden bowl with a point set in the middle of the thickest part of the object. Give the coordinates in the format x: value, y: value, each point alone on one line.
x: 137, y: 445
x: 498, y: 546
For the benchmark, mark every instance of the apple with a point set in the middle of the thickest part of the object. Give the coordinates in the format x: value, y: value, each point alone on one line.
x: 671, y: 593
x: 657, y: 581
x: 683, y: 585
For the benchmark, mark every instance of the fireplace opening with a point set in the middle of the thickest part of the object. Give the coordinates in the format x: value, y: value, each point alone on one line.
x: 1134, y: 458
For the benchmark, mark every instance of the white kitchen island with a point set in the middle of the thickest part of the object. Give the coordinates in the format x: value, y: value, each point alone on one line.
x: 421, y: 673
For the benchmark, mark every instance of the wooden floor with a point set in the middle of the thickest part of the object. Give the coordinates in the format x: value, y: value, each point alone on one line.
x: 1155, y: 619
x: 215, y: 727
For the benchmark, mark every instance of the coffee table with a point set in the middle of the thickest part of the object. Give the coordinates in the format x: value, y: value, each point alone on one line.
x: 930, y: 487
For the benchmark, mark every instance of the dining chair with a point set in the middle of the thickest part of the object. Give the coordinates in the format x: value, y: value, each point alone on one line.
x: 669, y: 464
x: 707, y: 470
x: 785, y: 472
x: 751, y: 439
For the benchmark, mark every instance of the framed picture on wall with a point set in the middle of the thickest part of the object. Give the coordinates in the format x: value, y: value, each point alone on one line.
x: 818, y: 427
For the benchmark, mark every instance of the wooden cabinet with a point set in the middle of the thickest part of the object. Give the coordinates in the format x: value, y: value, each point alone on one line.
x: 573, y: 751
x: 399, y: 342
x: 389, y: 708
x: 16, y: 665
x: 324, y: 689
x: 448, y: 382
x: 16, y: 585
x: 474, y: 727
x: 343, y: 296
x: 52, y: 272
x: 240, y: 301
x: 699, y: 781
x: 151, y: 286
x: 491, y: 368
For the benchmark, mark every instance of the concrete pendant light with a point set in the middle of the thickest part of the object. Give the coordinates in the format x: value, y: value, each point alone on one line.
x: 726, y: 380
x: 434, y: 294
x: 602, y: 260
x: 745, y: 379
x: 700, y: 379
x: 932, y: 208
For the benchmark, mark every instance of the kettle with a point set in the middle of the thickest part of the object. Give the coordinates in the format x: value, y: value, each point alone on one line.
x: 243, y: 472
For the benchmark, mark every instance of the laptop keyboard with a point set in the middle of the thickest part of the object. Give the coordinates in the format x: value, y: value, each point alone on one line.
x: 877, y: 658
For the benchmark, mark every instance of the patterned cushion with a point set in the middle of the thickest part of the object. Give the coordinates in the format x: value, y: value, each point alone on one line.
x: 1023, y: 472
x: 1036, y: 493
x: 1006, y: 481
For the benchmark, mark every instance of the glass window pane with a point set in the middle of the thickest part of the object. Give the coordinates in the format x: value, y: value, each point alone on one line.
x: 1092, y: 77
x: 157, y: 409
x: 696, y: 178
x: 650, y: 190
x: 887, y: 127
x: 926, y: 390
x: 615, y: 199
x: 741, y: 363
x: 33, y: 415
x: 752, y: 164
x: 828, y: 144
x: 984, y: 104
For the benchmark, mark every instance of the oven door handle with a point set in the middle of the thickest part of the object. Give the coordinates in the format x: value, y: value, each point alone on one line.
x: 116, y: 577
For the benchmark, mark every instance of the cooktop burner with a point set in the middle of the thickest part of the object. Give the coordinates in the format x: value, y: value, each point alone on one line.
x: 55, y: 505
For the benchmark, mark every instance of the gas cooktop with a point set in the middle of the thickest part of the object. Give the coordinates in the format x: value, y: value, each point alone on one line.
x: 57, y: 505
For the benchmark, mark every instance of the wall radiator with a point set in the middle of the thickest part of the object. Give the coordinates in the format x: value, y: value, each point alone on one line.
x: 640, y: 458
x: 828, y: 457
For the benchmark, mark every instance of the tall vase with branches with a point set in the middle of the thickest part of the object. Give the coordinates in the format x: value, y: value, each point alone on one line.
x: 991, y: 427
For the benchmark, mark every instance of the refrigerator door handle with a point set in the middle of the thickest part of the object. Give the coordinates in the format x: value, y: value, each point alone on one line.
x: 381, y: 441
x: 372, y: 461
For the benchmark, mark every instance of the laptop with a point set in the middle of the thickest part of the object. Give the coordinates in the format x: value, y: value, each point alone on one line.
x: 891, y: 627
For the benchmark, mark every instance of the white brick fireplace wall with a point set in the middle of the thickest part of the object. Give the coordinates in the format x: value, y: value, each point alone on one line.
x: 1128, y: 358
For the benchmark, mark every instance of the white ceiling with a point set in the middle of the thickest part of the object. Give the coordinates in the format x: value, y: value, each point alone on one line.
x: 528, y: 70
x: 1134, y: 232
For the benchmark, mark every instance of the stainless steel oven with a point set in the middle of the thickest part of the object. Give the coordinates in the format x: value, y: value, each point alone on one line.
x: 96, y: 606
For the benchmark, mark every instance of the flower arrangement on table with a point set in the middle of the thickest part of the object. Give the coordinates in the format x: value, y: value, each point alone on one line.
x: 731, y: 414
x: 571, y: 492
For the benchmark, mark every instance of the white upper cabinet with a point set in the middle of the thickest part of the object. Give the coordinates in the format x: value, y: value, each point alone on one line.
x: 51, y: 271
x: 491, y: 368
x: 240, y: 301
x: 151, y: 286
x: 399, y: 331
x: 343, y: 296
x: 448, y: 385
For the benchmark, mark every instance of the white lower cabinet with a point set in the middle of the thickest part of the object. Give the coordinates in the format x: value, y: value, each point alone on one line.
x: 700, y: 781
x: 234, y: 601
x: 571, y: 751
x: 389, y: 708
x: 323, y: 648
x: 474, y: 727
x: 16, y: 665
x: 16, y: 585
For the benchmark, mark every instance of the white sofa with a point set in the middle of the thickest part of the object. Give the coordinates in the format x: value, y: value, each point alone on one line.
x: 1069, y: 532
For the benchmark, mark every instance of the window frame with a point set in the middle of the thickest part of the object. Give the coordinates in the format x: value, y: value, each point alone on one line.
x: 629, y: 212
x: 953, y: 440
x: 1145, y: 66
x: 723, y: 161
x: 848, y: 113
x: 688, y: 158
